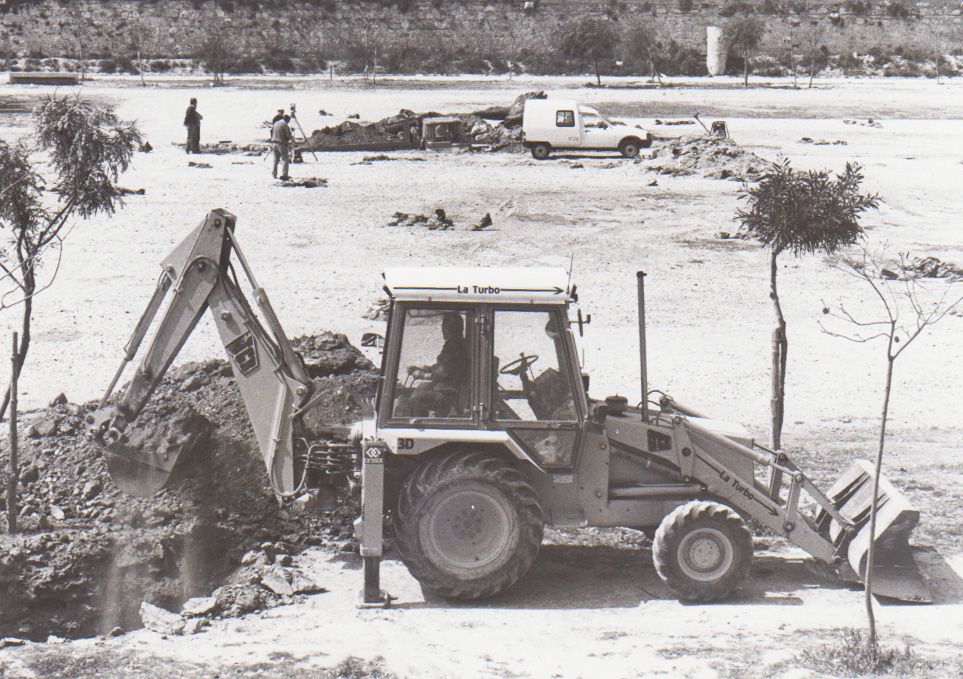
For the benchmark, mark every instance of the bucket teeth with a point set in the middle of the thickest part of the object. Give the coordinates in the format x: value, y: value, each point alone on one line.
x: 895, y: 574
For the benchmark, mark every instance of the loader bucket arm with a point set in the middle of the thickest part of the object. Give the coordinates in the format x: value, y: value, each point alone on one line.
x: 838, y: 535
x: 271, y: 377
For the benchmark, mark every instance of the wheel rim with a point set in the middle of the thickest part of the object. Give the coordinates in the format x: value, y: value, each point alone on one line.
x: 630, y: 150
x: 541, y: 152
x: 469, y: 529
x: 705, y: 554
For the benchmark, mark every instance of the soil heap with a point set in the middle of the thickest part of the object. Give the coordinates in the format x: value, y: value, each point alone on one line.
x: 89, y: 555
x: 712, y: 157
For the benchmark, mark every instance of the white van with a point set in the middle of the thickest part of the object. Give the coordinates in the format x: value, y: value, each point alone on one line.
x: 550, y: 124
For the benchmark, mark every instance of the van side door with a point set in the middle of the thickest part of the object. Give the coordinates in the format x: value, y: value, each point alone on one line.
x: 568, y: 128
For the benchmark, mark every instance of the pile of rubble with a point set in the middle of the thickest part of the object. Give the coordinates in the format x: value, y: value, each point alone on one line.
x: 403, y: 130
x: 933, y: 267
x: 709, y: 156
x: 88, y: 556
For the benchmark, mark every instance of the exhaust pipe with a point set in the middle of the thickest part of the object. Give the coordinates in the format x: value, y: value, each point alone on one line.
x: 643, y: 365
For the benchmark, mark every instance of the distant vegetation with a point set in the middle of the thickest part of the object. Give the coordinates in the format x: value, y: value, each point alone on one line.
x: 614, y: 37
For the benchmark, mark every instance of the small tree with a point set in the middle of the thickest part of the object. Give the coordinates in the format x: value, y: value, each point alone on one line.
x: 641, y: 45
x: 800, y: 212
x: 215, y: 54
x: 589, y: 41
x: 88, y: 148
x: 744, y: 34
x: 907, y: 307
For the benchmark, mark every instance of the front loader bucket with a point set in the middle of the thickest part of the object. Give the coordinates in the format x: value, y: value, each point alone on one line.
x: 895, y: 573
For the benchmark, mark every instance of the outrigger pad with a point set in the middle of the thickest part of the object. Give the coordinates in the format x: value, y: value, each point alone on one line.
x: 895, y: 573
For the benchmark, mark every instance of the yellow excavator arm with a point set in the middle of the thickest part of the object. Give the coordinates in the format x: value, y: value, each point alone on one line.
x: 273, y: 381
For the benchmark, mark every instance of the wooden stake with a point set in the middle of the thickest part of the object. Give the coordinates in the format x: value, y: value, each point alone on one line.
x: 14, y: 470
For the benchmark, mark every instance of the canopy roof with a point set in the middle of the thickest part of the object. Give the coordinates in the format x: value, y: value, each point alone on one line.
x: 487, y: 285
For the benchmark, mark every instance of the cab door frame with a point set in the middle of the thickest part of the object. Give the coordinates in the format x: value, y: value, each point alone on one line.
x: 392, y: 357
x: 568, y: 367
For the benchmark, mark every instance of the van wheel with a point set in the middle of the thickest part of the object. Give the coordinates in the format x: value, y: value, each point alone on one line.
x: 469, y: 525
x: 541, y: 151
x: 702, y: 550
x: 629, y: 148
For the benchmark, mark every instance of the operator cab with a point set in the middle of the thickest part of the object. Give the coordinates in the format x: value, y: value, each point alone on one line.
x: 484, y: 349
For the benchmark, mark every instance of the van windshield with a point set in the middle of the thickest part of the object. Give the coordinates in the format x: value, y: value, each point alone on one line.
x: 594, y: 116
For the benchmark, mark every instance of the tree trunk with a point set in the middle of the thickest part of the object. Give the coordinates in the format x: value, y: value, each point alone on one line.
x: 812, y: 64
x: 871, y: 553
x: 780, y: 347
x: 15, y: 363
x: 745, y: 69
x: 598, y: 76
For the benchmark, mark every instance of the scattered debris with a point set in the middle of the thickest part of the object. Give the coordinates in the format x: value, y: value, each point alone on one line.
x: 304, y: 182
x: 353, y: 116
x: 868, y: 123
x: 712, y: 157
x: 576, y: 166
x: 145, y: 147
x: 192, y: 163
x: 485, y: 222
x: 378, y: 311
x: 323, y: 113
x: 227, y: 146
x: 124, y: 191
x: 654, y: 182
x: 674, y: 122
x: 822, y: 142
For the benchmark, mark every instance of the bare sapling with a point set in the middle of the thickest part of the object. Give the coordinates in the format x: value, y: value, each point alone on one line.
x: 906, y: 306
x: 800, y: 212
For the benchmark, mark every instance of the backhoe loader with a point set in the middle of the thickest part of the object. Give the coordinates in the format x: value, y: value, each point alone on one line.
x: 483, y: 423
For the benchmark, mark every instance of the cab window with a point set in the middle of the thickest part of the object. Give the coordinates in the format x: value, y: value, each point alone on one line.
x: 531, y: 382
x: 435, y: 370
x: 565, y: 119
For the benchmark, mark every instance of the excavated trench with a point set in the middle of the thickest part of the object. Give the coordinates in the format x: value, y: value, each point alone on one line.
x: 88, y: 556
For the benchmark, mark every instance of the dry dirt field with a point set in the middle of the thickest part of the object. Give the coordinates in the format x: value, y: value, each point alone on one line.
x: 582, y: 612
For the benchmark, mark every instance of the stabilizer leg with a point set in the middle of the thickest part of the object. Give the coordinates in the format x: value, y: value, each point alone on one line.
x: 369, y: 529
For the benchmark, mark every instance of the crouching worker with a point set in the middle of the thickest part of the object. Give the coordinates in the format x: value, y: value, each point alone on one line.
x: 281, y: 140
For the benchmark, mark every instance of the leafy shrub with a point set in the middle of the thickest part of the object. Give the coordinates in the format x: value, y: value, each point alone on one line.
x: 160, y: 65
x: 685, y: 6
x: 107, y: 65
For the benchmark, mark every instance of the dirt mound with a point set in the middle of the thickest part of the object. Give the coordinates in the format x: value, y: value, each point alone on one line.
x: 713, y: 157
x: 90, y: 555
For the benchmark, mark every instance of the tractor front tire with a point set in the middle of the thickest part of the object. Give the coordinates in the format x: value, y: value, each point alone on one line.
x: 469, y: 525
x: 703, y: 551
x: 541, y: 151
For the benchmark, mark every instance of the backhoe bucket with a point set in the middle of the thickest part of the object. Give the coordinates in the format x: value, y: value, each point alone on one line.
x: 895, y: 573
x: 142, y: 457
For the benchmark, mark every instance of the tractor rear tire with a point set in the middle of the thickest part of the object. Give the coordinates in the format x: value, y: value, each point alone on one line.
x: 541, y: 151
x: 469, y: 525
x: 703, y: 551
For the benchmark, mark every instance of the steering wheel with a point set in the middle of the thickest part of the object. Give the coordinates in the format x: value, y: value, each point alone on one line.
x: 519, y: 365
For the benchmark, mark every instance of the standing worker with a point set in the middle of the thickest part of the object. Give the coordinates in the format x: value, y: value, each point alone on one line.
x: 281, y: 139
x: 192, y: 121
